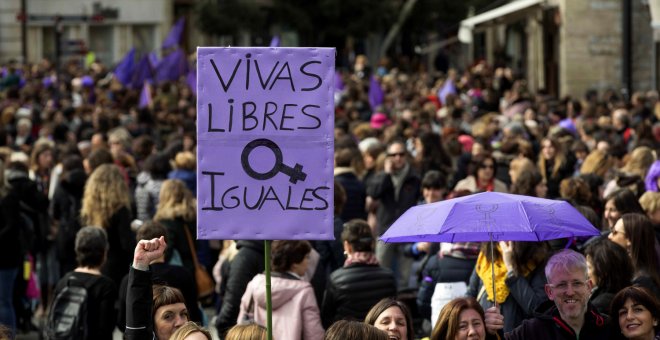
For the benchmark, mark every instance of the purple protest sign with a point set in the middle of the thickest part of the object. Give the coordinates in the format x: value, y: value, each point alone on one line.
x: 265, y: 121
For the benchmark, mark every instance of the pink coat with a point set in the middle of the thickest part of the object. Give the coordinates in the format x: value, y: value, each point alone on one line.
x: 296, y: 314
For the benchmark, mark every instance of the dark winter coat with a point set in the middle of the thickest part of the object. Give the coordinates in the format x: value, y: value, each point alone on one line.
x: 139, y: 318
x: 550, y: 326
x: 248, y: 262
x: 353, y: 290
x: 101, y: 297
x: 437, y: 270
x: 390, y: 208
x: 356, y: 195
x: 65, y: 209
x: 121, y: 241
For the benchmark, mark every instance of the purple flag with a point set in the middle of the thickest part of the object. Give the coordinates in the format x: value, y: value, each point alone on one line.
x: 191, y: 79
x: 339, y: 82
x: 153, y: 59
x: 265, y: 143
x: 275, y: 42
x: 143, y: 72
x: 447, y: 88
x: 172, y: 66
x: 375, y: 93
x: 145, y: 96
x: 124, y: 70
x: 174, y: 37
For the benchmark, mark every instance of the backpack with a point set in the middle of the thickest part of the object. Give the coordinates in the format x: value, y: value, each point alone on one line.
x: 67, y: 318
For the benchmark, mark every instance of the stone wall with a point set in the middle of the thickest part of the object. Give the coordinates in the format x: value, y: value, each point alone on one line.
x: 590, y: 46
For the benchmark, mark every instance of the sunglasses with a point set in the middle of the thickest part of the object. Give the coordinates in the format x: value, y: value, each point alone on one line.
x: 395, y: 154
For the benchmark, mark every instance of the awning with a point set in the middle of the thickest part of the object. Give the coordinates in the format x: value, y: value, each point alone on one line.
x: 467, y: 25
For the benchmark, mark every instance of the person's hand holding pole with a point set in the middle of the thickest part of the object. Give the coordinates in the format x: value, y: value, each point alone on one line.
x: 493, y: 319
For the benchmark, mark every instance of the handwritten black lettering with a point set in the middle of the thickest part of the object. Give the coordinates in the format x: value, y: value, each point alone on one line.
x: 288, y: 76
x: 250, y: 115
x: 210, y: 127
x: 256, y: 204
x: 237, y: 202
x: 268, y: 114
x: 270, y: 75
x: 319, y: 80
x: 285, y: 117
x: 325, y: 205
x: 318, y: 121
x: 226, y: 86
x: 212, y: 174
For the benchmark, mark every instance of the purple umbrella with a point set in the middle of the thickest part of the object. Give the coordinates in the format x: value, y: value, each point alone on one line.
x: 490, y: 216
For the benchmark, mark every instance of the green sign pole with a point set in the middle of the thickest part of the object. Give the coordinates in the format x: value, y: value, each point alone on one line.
x: 269, y: 307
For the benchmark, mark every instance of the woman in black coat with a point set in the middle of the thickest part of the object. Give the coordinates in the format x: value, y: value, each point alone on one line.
x: 610, y: 270
x: 353, y: 289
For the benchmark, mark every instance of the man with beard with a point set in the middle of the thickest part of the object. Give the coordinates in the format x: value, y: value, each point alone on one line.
x: 571, y: 316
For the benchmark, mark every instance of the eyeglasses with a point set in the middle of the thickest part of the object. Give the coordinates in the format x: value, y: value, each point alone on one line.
x: 395, y: 154
x: 614, y: 232
x: 563, y: 286
x: 487, y: 166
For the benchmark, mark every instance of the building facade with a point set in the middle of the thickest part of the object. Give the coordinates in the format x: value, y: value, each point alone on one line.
x: 109, y: 28
x: 567, y: 47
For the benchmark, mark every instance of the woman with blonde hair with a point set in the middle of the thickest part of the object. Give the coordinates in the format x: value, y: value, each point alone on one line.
x: 251, y: 331
x: 554, y: 165
x: 106, y: 203
x: 598, y: 162
x: 177, y: 212
x: 632, y: 174
x: 185, y: 164
x: 191, y: 331
x: 518, y: 166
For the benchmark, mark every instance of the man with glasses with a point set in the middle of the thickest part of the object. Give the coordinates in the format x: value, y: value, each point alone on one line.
x: 396, y: 189
x: 571, y: 316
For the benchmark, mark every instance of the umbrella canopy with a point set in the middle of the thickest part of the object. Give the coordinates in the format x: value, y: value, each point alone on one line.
x: 490, y: 216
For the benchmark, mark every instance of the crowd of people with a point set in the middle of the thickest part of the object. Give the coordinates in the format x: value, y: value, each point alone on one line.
x: 98, y: 191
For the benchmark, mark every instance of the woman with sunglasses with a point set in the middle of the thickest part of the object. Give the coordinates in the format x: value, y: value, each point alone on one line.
x: 482, y: 170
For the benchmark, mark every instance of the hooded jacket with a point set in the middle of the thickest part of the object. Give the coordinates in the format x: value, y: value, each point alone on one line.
x: 295, y: 311
x: 549, y: 325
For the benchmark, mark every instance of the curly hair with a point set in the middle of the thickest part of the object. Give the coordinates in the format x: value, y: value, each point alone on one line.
x: 105, y: 193
x: 175, y: 200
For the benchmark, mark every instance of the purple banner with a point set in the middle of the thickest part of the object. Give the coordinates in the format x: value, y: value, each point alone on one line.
x: 265, y: 121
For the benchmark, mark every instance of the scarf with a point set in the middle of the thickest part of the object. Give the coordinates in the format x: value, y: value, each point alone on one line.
x: 398, y: 178
x: 364, y: 257
x: 485, y: 273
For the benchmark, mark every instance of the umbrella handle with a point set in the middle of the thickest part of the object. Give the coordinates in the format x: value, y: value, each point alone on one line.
x: 492, y: 267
